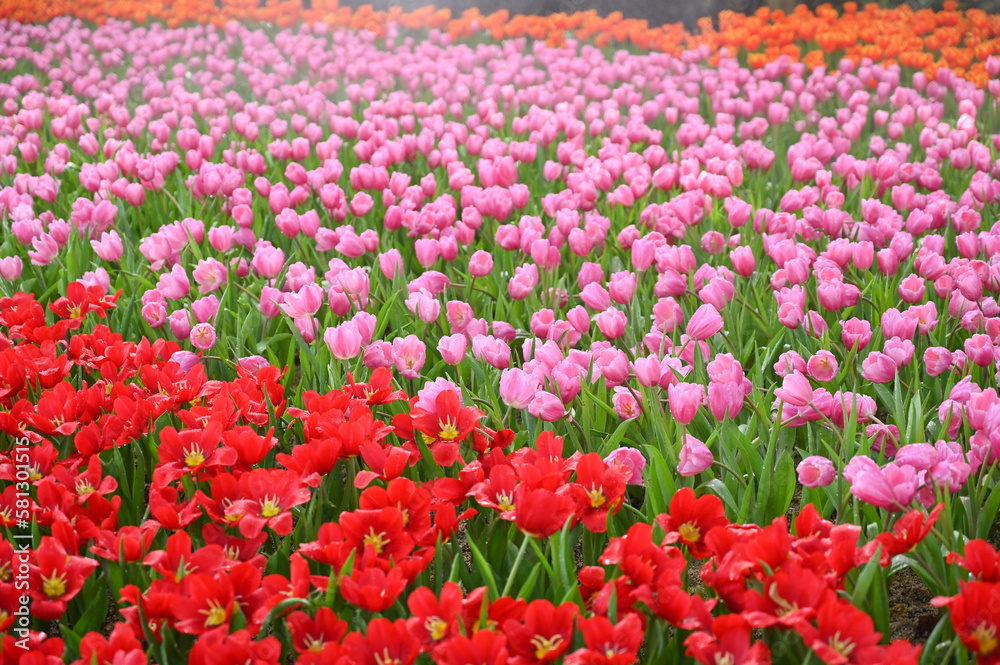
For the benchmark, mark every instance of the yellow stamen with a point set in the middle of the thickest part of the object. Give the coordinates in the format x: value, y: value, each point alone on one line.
x: 690, y: 532
x: 194, y: 457
x: 437, y: 627
x: 215, y: 615
x: 378, y: 541
x: 986, y: 635
x: 55, y: 586
x: 544, y: 646
x: 269, y: 506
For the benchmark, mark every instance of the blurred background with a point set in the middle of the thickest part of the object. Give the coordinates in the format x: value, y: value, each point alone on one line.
x: 657, y: 12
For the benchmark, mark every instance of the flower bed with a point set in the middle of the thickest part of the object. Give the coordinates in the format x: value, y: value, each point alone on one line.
x: 395, y: 337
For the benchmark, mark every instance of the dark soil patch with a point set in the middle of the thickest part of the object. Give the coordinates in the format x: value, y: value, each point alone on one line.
x: 911, y: 615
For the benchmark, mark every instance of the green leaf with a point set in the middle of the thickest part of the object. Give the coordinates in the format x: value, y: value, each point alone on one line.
x: 866, y: 578
x: 277, y: 611
x: 720, y: 489
x: 484, y: 568
x: 611, y: 443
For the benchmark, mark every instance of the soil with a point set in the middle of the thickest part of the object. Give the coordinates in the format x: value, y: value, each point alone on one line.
x: 911, y: 616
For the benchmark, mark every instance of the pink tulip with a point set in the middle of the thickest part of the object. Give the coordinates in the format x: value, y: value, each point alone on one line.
x: 203, y: 336
x: 344, y: 341
x: 378, y: 354
x: 180, y: 324
x: 613, y: 365
x: 409, y: 354
x: 308, y: 327
x: 492, y: 351
x: 856, y: 333
x: 695, y: 457
x: 879, y: 368
x: 726, y: 398
x: 174, y: 285
x: 789, y: 362
x: 108, y: 247
x: 631, y: 460
x: 481, y: 264
x: 428, y: 250
x: 268, y: 261
x: 685, y: 399
x: 611, y: 323
x: 10, y: 268
x: 743, y: 260
x: 546, y: 406
x: 900, y: 350
x: 622, y: 287
x: 816, y: 471
x: 452, y: 348
x: 643, y: 253
x: 426, y: 307
x: 979, y: 349
x: 822, y: 366
x: 517, y: 388
x: 937, y: 360
x: 625, y: 403
x: 704, y: 323
x: 863, y: 255
x: 795, y: 390
x: 390, y: 263
x: 596, y: 297
x: 44, y: 250
x: 647, y: 371
x: 590, y: 273
x: 891, y: 488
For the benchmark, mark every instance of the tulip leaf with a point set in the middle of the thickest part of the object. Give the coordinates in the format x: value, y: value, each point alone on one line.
x: 484, y: 568
x: 723, y: 493
x: 866, y: 578
x: 611, y: 443
x: 278, y: 610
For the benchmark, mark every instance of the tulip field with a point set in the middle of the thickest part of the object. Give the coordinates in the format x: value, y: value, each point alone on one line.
x: 344, y: 337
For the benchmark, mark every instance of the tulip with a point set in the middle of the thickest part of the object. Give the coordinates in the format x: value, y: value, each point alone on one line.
x: 10, y: 268
x: 795, y: 390
x: 390, y: 263
x: 625, y: 403
x: 631, y: 460
x: 622, y: 287
x: 268, y: 261
x: 203, y: 336
x: 611, y: 322
x: 979, y: 349
x: 546, y: 406
x: 613, y: 365
x: 180, y: 324
x: 856, y: 333
x: 684, y: 399
x: 517, y: 388
x: 879, y: 368
x: 816, y: 471
x: 452, y: 348
x: 481, y: 264
x: 108, y: 247
x: 378, y: 354
x: 900, y: 350
x: 344, y: 341
x: 937, y: 360
x: 695, y: 457
x: 743, y: 260
x: 409, y: 354
x: 891, y: 488
x: 788, y: 363
x: 704, y: 323
x: 822, y: 366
